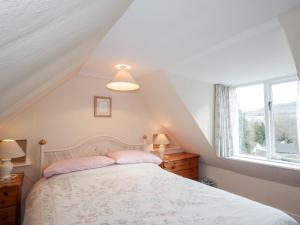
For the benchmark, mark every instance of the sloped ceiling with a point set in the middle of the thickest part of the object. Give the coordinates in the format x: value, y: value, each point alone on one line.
x: 255, y: 55
x: 41, y: 39
x: 154, y: 35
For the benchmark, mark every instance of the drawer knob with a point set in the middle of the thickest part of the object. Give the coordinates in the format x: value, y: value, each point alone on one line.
x: 2, y: 201
x: 5, y: 193
x: 173, y: 167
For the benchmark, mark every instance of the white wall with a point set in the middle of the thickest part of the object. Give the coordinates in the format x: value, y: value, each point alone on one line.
x: 199, y: 99
x: 281, y: 196
x: 162, y: 99
x: 65, y: 116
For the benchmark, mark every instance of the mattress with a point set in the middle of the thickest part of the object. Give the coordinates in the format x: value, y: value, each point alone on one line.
x: 140, y: 194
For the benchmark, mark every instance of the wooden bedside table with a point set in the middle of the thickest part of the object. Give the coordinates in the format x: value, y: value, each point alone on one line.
x: 183, y: 164
x: 10, y: 199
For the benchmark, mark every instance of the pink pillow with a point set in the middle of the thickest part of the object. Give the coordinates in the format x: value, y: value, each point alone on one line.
x: 134, y: 156
x: 76, y: 164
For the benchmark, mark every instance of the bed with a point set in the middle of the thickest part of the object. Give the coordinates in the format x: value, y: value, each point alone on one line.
x: 135, y: 194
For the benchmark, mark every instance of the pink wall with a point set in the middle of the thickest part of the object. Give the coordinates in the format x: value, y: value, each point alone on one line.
x: 65, y: 116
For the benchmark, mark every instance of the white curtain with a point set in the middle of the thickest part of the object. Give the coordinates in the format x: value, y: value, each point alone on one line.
x: 226, y: 120
x: 298, y: 113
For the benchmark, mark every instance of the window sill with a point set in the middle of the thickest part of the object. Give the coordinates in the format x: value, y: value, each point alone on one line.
x: 273, y: 163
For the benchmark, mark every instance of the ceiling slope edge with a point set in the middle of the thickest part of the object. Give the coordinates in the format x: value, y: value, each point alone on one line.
x: 52, y: 83
x: 78, y: 56
x: 56, y: 72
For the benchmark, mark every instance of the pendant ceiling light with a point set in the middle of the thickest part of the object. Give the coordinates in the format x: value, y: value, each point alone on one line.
x: 123, y: 81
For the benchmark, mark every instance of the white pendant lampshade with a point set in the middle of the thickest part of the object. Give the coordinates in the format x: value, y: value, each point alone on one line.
x: 123, y: 81
x: 8, y: 149
x: 161, y: 140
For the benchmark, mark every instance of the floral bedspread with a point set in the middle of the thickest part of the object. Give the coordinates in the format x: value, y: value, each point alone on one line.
x: 140, y: 194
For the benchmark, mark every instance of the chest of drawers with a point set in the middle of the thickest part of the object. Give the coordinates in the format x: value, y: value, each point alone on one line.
x: 183, y: 164
x: 10, y: 195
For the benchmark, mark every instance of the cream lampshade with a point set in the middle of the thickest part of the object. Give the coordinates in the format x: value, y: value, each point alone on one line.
x: 162, y: 141
x: 123, y: 81
x: 8, y: 149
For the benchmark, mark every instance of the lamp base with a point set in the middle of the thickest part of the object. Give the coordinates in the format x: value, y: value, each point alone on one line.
x: 161, y: 151
x: 5, y: 169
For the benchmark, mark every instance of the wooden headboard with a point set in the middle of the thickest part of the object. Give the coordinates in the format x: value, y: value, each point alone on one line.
x: 97, y: 145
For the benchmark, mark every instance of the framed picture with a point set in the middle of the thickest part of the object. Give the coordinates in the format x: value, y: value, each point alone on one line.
x: 102, y: 106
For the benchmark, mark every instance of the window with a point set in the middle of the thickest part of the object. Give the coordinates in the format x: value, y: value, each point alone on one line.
x: 268, y: 121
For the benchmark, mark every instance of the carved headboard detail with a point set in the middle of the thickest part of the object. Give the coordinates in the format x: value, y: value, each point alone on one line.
x: 97, y: 145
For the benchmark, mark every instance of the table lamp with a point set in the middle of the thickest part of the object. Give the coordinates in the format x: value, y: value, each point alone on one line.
x: 8, y: 149
x: 162, y: 141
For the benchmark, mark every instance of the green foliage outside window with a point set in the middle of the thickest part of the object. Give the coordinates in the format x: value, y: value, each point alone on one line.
x: 251, y: 132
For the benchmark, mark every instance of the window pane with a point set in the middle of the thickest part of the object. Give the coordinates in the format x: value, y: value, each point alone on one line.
x: 252, y: 138
x: 284, y: 113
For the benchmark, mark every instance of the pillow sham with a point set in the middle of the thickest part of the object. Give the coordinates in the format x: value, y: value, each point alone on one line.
x: 134, y: 156
x: 77, y: 164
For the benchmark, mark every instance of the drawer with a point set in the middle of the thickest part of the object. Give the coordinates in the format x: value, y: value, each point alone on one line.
x: 8, y: 215
x: 174, y: 166
x: 191, y: 173
x: 8, y: 196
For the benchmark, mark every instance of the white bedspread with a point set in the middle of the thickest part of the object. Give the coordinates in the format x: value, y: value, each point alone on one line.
x: 140, y: 194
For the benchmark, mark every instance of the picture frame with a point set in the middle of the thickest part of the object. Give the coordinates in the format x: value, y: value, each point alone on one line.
x: 102, y: 106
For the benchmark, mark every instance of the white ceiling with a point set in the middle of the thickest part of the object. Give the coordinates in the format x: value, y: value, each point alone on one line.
x: 41, y: 39
x: 256, y: 55
x: 154, y: 35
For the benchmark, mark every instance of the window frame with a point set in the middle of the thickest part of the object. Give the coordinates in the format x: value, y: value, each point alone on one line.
x: 269, y: 124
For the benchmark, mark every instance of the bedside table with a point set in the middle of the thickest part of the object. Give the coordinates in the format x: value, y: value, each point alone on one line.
x: 10, y: 199
x: 183, y: 164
